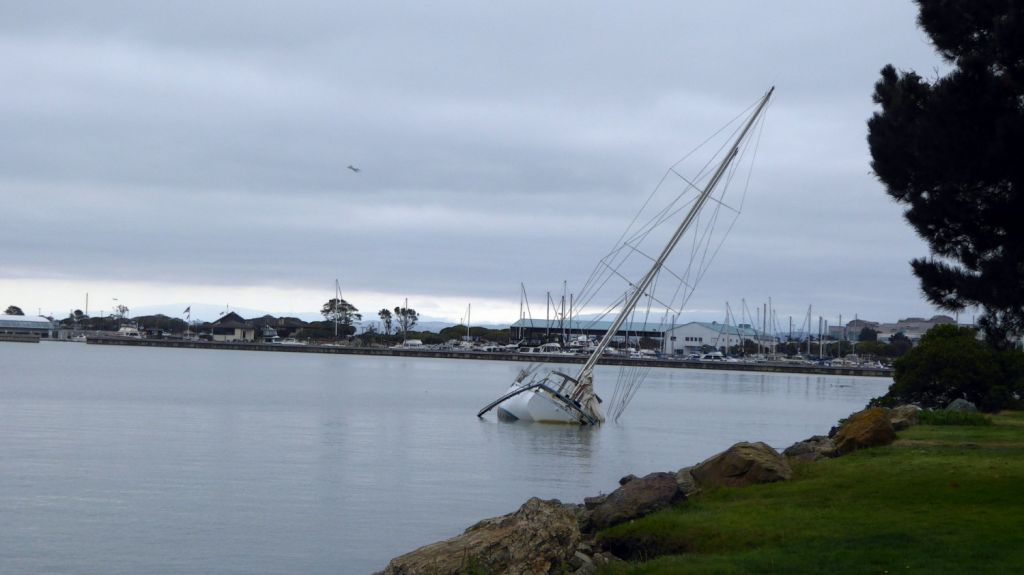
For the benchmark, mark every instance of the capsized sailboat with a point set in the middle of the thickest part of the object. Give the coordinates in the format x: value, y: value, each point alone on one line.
x: 558, y: 397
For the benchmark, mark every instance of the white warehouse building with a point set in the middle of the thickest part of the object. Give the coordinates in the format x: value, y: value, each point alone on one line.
x: 27, y: 325
x: 692, y: 337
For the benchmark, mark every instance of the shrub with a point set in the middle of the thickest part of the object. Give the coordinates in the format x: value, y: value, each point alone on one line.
x: 950, y: 363
x: 947, y: 364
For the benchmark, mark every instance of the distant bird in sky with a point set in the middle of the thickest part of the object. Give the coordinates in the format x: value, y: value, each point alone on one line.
x: 353, y: 168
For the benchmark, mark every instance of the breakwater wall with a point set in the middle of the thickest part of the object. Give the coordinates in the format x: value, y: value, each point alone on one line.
x: 21, y: 338
x: 770, y: 367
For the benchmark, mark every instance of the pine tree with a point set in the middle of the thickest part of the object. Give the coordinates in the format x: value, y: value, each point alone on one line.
x: 951, y: 150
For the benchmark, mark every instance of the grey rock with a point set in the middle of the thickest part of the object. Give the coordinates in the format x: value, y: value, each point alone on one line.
x: 540, y: 536
x: 812, y: 449
x: 687, y: 484
x: 593, y: 502
x: 636, y: 499
x: 904, y: 416
x: 579, y: 560
x: 586, y: 569
x: 960, y: 404
x: 627, y: 479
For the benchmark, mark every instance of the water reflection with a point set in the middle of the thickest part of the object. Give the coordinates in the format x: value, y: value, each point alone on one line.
x: 531, y: 439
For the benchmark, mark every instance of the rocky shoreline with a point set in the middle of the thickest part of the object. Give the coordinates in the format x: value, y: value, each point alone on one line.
x: 548, y: 536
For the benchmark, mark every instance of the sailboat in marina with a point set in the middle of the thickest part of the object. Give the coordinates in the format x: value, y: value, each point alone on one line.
x: 558, y: 397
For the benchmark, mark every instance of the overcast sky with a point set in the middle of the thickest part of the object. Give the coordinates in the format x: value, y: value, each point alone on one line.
x: 195, y: 152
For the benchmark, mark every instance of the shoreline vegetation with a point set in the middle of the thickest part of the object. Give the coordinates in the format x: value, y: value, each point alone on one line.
x: 859, y: 348
x: 890, y: 490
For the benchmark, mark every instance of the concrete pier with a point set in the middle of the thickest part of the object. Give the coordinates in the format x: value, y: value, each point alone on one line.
x: 19, y: 337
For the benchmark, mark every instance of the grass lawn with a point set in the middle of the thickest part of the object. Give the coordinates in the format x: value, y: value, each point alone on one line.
x: 942, y: 499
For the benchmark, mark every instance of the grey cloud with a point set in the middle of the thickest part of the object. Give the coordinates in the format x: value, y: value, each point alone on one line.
x: 498, y: 144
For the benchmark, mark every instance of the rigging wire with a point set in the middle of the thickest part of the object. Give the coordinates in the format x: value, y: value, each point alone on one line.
x: 702, y: 253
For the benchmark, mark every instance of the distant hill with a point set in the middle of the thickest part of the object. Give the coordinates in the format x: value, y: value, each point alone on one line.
x: 436, y: 325
x: 210, y: 312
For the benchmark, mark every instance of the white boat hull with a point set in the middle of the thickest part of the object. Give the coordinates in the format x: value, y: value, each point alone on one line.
x: 536, y: 405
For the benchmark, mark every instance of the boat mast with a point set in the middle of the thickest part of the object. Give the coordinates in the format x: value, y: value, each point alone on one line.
x: 570, y: 317
x: 337, y: 295
x: 547, y: 320
x: 522, y: 288
x: 809, y: 329
x: 645, y: 282
x: 764, y: 326
x: 561, y: 316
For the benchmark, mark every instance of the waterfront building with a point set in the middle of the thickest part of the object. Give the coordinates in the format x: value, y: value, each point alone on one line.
x: 854, y: 327
x: 280, y: 326
x: 231, y: 327
x: 537, y: 331
x: 690, y: 338
x: 672, y: 339
x: 912, y: 327
x: 27, y: 325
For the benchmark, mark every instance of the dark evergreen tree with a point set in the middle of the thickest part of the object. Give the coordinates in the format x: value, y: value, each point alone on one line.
x: 867, y: 334
x: 952, y: 151
x: 385, y: 317
x: 405, y: 318
x: 339, y: 310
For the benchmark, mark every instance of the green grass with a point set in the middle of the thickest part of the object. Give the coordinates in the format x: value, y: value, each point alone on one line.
x: 943, y: 499
x: 929, y: 417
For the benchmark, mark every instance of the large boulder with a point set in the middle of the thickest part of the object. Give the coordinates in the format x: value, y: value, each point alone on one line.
x: 812, y: 449
x: 960, y: 404
x: 904, y: 416
x: 540, y: 536
x: 636, y: 498
x: 868, y: 428
x: 741, y: 465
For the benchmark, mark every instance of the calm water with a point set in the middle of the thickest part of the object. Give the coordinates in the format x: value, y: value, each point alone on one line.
x: 150, y: 460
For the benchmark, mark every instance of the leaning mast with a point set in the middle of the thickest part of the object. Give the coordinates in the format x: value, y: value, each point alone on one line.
x: 585, y: 375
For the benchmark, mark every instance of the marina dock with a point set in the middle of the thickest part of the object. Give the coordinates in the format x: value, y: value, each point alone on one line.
x: 768, y: 366
x: 19, y: 337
